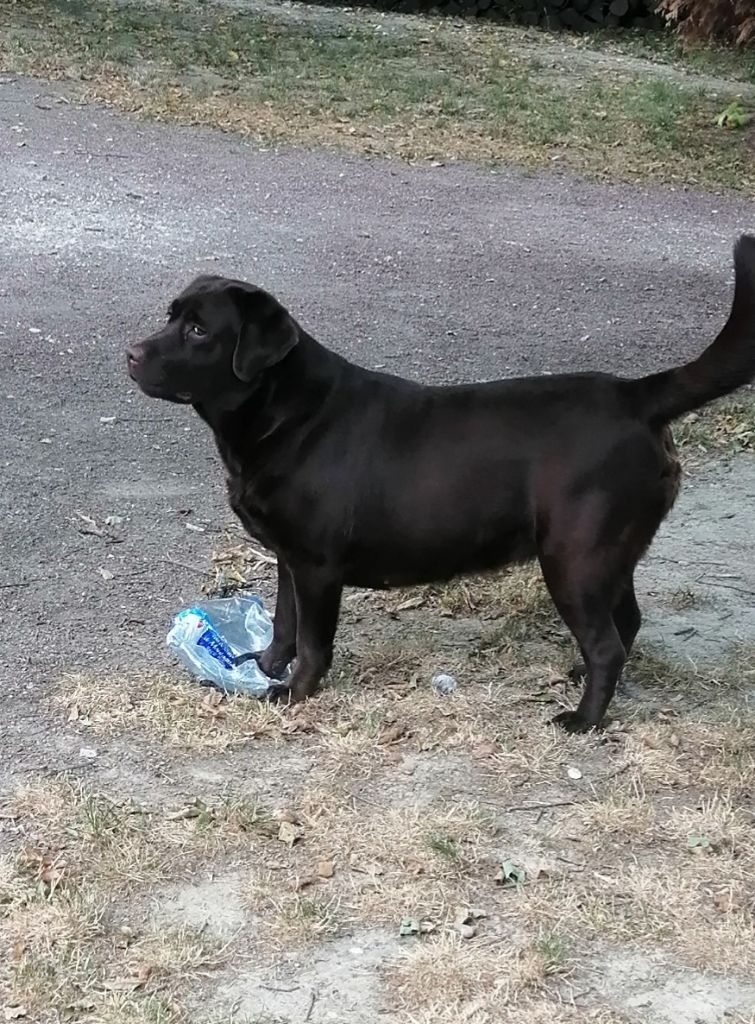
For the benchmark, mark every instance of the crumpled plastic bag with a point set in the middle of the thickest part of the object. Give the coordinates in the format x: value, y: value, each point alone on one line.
x: 216, y: 639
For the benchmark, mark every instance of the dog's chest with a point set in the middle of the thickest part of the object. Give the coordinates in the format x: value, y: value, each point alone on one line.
x: 253, y: 511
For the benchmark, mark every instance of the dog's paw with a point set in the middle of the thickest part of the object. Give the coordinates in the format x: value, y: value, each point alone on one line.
x: 572, y: 722
x: 578, y: 672
x: 278, y: 693
x: 271, y: 663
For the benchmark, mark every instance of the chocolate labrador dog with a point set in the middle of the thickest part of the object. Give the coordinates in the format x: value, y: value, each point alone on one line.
x: 355, y: 478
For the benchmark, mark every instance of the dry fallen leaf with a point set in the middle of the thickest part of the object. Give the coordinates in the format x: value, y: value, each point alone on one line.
x: 124, y: 936
x: 297, y: 725
x: 130, y: 983
x: 14, y: 1012
x: 483, y: 750
x: 727, y: 901
x: 392, y: 734
x: 192, y: 809
x: 48, y: 868
x: 304, y: 883
x: 510, y: 874
x: 465, y: 921
x: 366, y: 869
x: 289, y: 833
x: 213, y: 704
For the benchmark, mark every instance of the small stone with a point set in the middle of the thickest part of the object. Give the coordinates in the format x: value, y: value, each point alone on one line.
x: 326, y: 869
x: 444, y: 684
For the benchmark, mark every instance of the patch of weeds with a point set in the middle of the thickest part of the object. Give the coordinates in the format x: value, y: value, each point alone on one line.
x: 445, y: 847
x: 241, y: 814
x: 140, y: 1009
x: 518, y: 592
x: 315, y: 915
x: 727, y: 427
x: 175, y: 951
x: 298, y: 919
x: 651, y: 668
x: 102, y: 819
x: 624, y: 814
x: 460, y: 597
x: 373, y: 722
x: 554, y: 949
x: 686, y: 599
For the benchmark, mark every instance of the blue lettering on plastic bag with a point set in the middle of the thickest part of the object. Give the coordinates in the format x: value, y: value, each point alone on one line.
x: 216, y: 648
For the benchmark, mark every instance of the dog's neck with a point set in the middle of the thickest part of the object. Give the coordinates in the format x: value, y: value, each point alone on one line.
x: 251, y: 424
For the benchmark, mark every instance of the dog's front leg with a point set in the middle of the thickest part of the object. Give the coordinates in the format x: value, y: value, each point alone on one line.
x: 282, y: 650
x: 317, y: 593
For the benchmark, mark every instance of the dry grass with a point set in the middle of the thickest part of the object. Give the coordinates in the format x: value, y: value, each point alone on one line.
x: 67, y: 949
x: 389, y: 864
x: 423, y: 90
x: 649, y: 667
x: 408, y: 807
x: 237, y: 565
x: 368, y: 850
x: 454, y: 980
x: 726, y: 427
x: 175, y: 713
x: 701, y: 908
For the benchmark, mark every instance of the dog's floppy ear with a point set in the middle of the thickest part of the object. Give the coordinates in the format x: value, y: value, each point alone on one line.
x: 268, y: 331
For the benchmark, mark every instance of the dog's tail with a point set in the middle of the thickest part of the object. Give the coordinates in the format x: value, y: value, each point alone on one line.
x: 724, y: 366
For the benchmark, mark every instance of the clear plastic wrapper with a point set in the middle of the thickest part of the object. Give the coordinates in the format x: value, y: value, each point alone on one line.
x: 216, y: 641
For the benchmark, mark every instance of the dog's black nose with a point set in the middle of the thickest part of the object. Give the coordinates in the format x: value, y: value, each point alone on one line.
x: 133, y: 358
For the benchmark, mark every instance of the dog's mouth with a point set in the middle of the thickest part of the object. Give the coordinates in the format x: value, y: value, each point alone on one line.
x: 179, y: 397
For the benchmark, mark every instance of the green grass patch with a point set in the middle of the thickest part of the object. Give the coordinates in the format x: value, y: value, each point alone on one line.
x: 736, y: 65
x: 421, y: 90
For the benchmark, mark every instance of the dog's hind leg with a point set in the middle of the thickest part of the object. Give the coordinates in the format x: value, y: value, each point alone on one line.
x: 627, y: 619
x: 275, y: 659
x: 627, y: 615
x: 585, y: 592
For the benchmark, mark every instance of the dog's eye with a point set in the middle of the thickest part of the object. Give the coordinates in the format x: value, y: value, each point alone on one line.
x: 197, y: 331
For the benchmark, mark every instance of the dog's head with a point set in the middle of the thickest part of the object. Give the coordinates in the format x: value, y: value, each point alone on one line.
x: 221, y: 335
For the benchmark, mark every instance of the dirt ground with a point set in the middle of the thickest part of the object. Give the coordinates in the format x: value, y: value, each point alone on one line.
x: 384, y: 852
